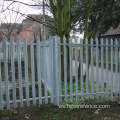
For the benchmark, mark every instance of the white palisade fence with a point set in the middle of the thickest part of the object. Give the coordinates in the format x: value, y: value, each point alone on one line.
x: 94, y: 73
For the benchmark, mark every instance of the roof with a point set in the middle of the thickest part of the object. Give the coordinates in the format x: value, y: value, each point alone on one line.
x: 112, y: 31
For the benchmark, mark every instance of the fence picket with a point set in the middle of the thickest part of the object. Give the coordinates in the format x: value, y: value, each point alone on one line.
x: 97, y: 69
x: 59, y: 58
x: 52, y: 62
x: 7, y: 50
x: 1, y: 95
x: 102, y: 70
x: 48, y: 67
x: 57, y: 71
x: 39, y: 70
x: 119, y: 71
x: 76, y: 69
x: 20, y: 72
x: 26, y: 70
x: 6, y: 73
x: 81, y: 70
x: 44, y: 69
x: 107, y: 77
x: 32, y: 69
x: 65, y: 68
x: 92, y: 69
x: 87, y: 69
x: 13, y: 71
x: 111, y: 67
x: 116, y: 68
x: 71, y: 72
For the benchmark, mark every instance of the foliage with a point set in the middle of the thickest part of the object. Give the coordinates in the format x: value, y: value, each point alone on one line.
x: 3, y: 113
x: 104, y: 14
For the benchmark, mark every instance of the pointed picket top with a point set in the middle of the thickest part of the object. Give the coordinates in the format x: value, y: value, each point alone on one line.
x: 18, y: 40
x: 4, y: 39
x: 111, y: 41
x: 25, y: 38
x: 81, y: 41
x: 44, y: 38
x: 53, y: 37
x: 86, y: 41
x: 11, y: 39
x: 70, y: 40
x: 101, y: 41
x: 31, y: 39
x: 38, y: 39
x: 106, y: 41
x: 76, y: 40
x: 91, y: 40
x: 97, y: 41
x: 116, y: 42
x: 4, y: 43
x: 64, y: 40
x: 50, y: 37
x: 58, y: 39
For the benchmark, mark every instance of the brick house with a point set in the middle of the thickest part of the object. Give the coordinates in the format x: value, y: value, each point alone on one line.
x: 28, y: 27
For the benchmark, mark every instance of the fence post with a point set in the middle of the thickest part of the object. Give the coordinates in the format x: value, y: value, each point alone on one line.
x: 56, y: 72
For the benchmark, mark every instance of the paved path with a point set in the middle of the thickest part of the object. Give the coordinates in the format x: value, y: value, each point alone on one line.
x: 104, y: 75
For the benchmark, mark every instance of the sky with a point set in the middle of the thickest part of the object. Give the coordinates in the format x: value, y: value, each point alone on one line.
x: 11, y: 16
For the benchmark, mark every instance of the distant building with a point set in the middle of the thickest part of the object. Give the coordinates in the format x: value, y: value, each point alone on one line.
x: 112, y: 33
x: 29, y: 26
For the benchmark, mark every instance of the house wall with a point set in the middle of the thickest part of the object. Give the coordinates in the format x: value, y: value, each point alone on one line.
x: 26, y: 32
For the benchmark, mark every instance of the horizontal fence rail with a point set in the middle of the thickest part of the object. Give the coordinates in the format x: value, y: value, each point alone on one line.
x: 48, y: 70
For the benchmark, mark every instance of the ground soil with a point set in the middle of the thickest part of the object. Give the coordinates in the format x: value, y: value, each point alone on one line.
x: 51, y: 112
